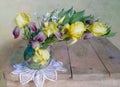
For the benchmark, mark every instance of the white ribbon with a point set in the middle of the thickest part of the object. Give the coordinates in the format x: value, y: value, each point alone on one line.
x: 38, y: 76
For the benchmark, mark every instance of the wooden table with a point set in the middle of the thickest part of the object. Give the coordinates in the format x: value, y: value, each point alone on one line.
x: 94, y: 59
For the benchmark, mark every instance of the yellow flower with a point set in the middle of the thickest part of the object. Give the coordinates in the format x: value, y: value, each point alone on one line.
x: 41, y: 56
x: 75, y: 30
x: 98, y: 29
x: 50, y: 28
x: 22, y: 19
x: 61, y: 20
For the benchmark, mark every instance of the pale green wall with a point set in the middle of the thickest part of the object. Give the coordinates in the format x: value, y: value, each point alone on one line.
x: 107, y: 10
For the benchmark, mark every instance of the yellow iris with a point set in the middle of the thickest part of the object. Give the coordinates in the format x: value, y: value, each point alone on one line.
x: 98, y: 29
x: 75, y: 30
x: 41, y: 56
x: 22, y: 19
x: 50, y: 28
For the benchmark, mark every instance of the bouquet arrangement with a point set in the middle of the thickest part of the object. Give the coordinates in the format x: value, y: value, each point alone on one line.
x: 55, y: 26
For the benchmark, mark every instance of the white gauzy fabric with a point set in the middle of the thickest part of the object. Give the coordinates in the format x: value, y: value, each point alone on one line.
x: 38, y: 76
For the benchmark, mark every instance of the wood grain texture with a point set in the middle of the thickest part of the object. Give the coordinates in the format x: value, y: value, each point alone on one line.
x: 60, y: 53
x: 87, y: 60
x: 109, y: 55
x: 2, y: 80
x: 85, y: 63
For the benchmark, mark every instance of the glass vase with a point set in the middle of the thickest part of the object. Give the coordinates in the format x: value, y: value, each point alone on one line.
x: 29, y: 54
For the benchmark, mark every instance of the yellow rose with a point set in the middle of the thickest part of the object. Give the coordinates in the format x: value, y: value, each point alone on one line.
x: 98, y: 29
x: 75, y: 30
x: 22, y: 19
x: 41, y: 56
x: 50, y: 28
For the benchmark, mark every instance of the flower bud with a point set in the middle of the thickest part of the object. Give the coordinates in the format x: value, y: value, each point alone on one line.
x: 16, y: 32
x: 40, y: 37
x: 32, y: 26
x: 88, y: 21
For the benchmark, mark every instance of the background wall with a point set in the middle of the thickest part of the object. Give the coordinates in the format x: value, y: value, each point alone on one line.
x: 106, y: 10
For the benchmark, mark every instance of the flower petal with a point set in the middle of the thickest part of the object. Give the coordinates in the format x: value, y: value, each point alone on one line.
x: 22, y: 19
x: 59, y: 35
x: 74, y: 41
x: 34, y: 43
x: 32, y: 26
x: 16, y: 32
x: 98, y: 29
x: 40, y: 37
x: 88, y: 36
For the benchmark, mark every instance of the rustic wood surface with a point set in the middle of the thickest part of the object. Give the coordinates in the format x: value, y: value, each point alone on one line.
x: 60, y: 53
x: 108, y: 54
x: 94, y: 59
x: 85, y: 63
x: 2, y: 80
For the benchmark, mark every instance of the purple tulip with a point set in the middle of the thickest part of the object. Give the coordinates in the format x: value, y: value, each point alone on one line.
x: 59, y: 35
x: 88, y: 36
x: 40, y: 37
x: 16, y: 32
x: 34, y: 43
x: 32, y: 26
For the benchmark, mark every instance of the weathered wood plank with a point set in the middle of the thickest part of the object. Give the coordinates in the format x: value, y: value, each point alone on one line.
x: 2, y: 80
x: 85, y: 63
x: 60, y: 53
x: 109, y: 54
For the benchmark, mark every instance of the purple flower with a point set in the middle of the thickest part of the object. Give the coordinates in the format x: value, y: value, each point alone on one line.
x: 34, y: 43
x: 40, y: 37
x: 32, y: 26
x: 88, y: 21
x: 59, y: 35
x: 16, y: 32
x: 88, y: 36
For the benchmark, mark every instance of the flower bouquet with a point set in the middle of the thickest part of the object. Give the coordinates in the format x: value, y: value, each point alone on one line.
x: 55, y: 26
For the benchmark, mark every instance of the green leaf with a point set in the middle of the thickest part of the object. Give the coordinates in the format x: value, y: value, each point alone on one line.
x: 52, y: 13
x: 111, y: 34
x: 62, y: 12
x: 27, y: 33
x: 108, y: 31
x: 77, y: 16
x: 28, y: 53
x: 66, y: 20
x: 89, y: 17
x: 69, y: 13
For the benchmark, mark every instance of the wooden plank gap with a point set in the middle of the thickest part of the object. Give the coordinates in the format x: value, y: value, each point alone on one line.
x: 97, y: 53
x: 85, y: 63
x: 109, y: 54
x: 69, y: 61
